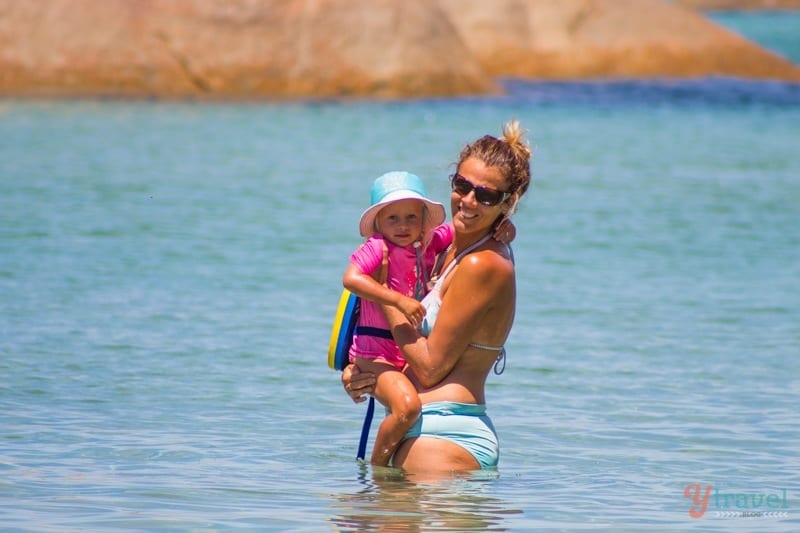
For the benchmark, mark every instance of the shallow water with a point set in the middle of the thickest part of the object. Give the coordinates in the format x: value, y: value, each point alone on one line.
x: 168, y: 273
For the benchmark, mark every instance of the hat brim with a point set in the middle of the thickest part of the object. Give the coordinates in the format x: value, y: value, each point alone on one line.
x: 435, y: 215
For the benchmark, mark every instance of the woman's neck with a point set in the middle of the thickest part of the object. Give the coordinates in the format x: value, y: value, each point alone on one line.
x: 462, y: 242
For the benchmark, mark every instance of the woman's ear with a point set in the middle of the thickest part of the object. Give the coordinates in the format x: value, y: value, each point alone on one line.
x: 510, y: 206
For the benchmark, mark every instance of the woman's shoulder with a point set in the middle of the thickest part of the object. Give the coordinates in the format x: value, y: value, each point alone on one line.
x: 493, y: 260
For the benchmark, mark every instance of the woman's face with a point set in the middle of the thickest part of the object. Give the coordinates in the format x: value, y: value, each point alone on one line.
x: 469, y: 214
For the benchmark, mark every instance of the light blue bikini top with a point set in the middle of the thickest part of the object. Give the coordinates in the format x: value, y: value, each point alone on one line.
x: 433, y: 302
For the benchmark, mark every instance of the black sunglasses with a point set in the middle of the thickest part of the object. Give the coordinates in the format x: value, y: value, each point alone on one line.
x: 486, y: 196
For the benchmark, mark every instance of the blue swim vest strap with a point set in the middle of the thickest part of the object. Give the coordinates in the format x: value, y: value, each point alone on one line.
x: 421, y: 283
x: 362, y: 445
x: 373, y: 332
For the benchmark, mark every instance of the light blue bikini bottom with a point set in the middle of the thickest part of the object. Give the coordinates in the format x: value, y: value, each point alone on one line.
x: 465, y: 424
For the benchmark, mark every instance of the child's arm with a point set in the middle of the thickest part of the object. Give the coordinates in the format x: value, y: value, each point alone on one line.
x: 365, y: 286
x: 505, y: 231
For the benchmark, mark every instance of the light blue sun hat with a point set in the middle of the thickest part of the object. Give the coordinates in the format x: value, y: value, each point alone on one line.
x: 394, y: 186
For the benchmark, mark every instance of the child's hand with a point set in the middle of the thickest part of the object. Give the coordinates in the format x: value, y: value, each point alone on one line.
x: 412, y: 309
x: 505, y: 231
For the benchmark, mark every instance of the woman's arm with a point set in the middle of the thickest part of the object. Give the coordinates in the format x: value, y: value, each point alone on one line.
x: 479, y: 281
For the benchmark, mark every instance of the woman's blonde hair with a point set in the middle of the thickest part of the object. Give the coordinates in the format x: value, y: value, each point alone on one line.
x: 510, y: 155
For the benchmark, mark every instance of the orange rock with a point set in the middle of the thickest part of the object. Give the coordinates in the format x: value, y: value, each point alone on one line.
x: 234, y: 48
x: 558, y: 39
x: 340, y: 48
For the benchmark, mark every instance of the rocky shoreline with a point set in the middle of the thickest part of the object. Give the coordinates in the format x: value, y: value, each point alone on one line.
x: 742, y: 5
x: 278, y: 49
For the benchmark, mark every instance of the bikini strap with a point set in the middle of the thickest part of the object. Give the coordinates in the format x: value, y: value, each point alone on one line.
x: 467, y: 250
x: 500, y: 362
x: 438, y: 264
x: 472, y: 246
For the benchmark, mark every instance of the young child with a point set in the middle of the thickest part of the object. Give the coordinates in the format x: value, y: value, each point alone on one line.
x: 411, y: 227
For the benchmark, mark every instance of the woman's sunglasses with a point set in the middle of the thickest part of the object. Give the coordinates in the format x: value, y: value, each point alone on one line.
x: 486, y: 196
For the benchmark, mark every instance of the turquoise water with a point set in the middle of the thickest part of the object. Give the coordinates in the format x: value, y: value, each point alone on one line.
x: 168, y: 273
x: 777, y: 30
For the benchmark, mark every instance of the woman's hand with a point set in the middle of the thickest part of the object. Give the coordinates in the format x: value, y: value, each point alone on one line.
x: 358, y: 385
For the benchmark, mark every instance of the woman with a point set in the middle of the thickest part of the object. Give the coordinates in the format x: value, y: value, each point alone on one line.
x: 469, y: 314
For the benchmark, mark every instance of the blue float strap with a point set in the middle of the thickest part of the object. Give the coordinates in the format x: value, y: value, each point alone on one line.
x: 373, y: 332
x: 362, y: 445
x: 421, y: 283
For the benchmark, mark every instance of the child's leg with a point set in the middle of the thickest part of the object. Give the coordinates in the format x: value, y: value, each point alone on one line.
x: 394, y: 390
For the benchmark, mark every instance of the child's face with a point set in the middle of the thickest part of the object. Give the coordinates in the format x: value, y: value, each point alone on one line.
x: 401, y: 222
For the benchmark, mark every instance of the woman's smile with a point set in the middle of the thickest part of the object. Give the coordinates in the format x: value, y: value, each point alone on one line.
x: 466, y: 208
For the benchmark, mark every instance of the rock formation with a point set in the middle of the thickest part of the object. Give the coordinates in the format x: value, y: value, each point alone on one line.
x: 335, y: 48
x: 740, y: 5
x: 556, y: 39
x: 233, y: 48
